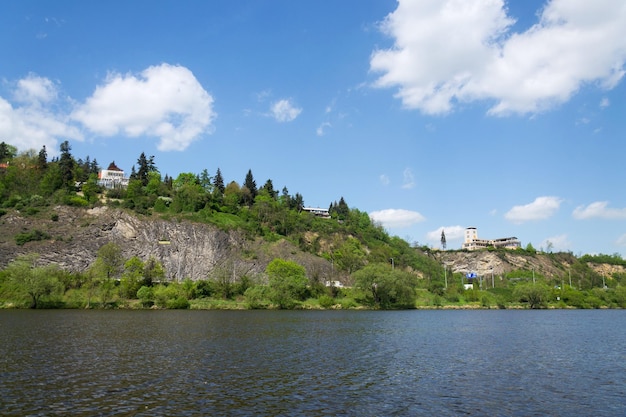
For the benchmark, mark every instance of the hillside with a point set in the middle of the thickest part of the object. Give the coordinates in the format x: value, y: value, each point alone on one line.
x: 185, y: 249
x: 194, y: 250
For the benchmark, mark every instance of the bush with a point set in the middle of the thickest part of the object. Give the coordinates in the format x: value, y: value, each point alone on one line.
x: 179, y: 303
x: 34, y: 235
x: 256, y: 297
x: 326, y: 301
x: 76, y: 201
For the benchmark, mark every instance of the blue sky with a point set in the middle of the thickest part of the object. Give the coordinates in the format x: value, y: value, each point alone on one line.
x: 427, y: 114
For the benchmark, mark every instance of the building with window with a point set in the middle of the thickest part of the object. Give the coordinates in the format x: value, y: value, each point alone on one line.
x: 319, y: 212
x: 112, y: 177
x: 472, y: 242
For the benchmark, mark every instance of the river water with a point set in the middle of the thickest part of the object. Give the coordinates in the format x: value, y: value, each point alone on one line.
x: 313, y: 363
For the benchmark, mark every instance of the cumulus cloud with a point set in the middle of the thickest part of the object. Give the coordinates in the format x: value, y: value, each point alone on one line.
x: 396, y: 218
x: 35, y: 90
x: 452, y: 233
x: 598, y: 209
x: 164, y: 101
x: 285, y: 111
x: 35, y: 117
x: 449, y: 51
x: 541, y: 208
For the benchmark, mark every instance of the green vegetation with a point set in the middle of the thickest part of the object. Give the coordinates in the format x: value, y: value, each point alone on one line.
x: 385, y: 272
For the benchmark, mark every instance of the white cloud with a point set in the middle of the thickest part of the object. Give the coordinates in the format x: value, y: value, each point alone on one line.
x: 621, y: 241
x: 163, y: 101
x: 604, y: 103
x: 320, y: 130
x: 284, y: 111
x: 452, y: 233
x: 396, y: 218
x: 541, y: 208
x: 384, y: 179
x: 449, y: 51
x: 409, y: 179
x: 35, y: 90
x: 598, y: 209
x: 37, y: 119
x: 560, y: 243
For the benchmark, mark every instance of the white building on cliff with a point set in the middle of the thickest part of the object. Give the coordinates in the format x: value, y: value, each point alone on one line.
x: 112, y: 177
x: 472, y: 242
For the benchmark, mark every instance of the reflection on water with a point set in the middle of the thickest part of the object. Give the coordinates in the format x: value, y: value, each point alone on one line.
x: 316, y: 363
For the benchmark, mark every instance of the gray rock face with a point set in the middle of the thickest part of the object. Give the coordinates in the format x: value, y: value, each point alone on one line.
x: 185, y: 249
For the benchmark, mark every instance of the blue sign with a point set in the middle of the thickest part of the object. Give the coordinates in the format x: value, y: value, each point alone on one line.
x: 471, y: 275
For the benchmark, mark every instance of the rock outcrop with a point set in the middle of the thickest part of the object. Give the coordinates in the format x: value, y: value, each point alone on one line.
x: 185, y: 249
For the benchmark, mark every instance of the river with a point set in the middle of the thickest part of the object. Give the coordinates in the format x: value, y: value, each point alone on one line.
x: 313, y: 363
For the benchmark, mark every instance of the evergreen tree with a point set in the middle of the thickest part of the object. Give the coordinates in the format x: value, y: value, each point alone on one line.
x: 42, y: 159
x: 66, y: 165
x: 218, y: 181
x: 341, y: 209
x: 205, y: 181
x: 297, y: 203
x: 7, y: 152
x: 250, y: 183
x: 286, y: 198
x: 249, y: 189
x: 144, y: 168
x: 443, y: 240
x: 269, y: 187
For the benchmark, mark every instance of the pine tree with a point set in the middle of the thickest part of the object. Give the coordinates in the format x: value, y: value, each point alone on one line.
x: 142, y: 171
x: 249, y: 189
x: 443, y: 239
x: 269, y: 187
x: 66, y: 164
x: 218, y: 181
x: 42, y: 159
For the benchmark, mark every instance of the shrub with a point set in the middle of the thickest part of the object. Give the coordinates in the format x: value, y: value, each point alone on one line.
x: 34, y: 235
x: 256, y: 297
x: 76, y: 201
x: 180, y: 303
x: 146, y: 295
x: 326, y: 301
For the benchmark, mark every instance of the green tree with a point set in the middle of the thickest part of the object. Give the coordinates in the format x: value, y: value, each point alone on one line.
x: 218, y: 182
x: 249, y: 189
x: 146, y: 165
x: 66, y: 166
x: 350, y: 256
x: 232, y: 197
x: 535, y: 295
x: 32, y: 281
x: 91, y: 189
x: 269, y: 188
x: 287, y: 282
x: 110, y: 255
x: 132, y: 277
x: 388, y: 288
x: 153, y: 271
x: 7, y: 152
x: 42, y: 159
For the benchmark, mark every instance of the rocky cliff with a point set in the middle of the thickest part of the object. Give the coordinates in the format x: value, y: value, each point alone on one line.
x: 186, y: 249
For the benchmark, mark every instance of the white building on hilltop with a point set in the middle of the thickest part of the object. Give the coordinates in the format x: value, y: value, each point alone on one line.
x: 112, y: 177
x: 472, y: 242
